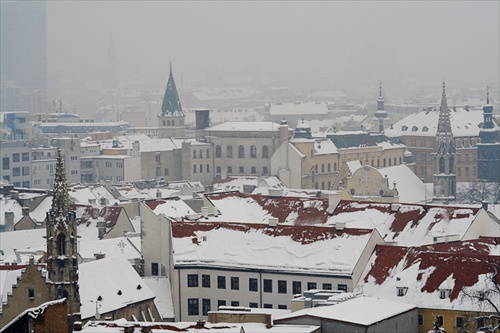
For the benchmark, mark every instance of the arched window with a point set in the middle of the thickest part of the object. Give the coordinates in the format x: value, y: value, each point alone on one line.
x: 168, y: 122
x: 201, y: 153
x: 218, y: 151
x: 194, y: 153
x: 241, y: 152
x: 390, y: 162
x: 384, y: 162
x: 61, y: 244
x: 164, y: 122
x: 229, y: 151
x: 207, y: 154
x: 441, y: 165
x: 253, y: 151
x: 394, y: 161
x: 322, y: 168
x: 173, y: 122
x: 265, y: 152
x: 378, y: 163
x: 452, y: 165
x: 335, y: 166
x: 328, y: 168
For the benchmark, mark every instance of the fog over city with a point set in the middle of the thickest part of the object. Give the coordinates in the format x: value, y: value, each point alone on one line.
x: 409, y: 45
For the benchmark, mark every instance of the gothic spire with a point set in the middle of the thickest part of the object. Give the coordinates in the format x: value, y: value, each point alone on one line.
x: 444, y: 123
x: 171, y: 102
x: 487, y: 95
x: 60, y: 199
x: 488, y: 112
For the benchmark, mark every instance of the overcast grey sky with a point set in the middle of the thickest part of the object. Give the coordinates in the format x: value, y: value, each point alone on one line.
x: 392, y: 41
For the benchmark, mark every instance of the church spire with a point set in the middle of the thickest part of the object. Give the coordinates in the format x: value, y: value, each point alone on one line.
x: 444, y: 124
x: 60, y: 199
x: 171, y: 103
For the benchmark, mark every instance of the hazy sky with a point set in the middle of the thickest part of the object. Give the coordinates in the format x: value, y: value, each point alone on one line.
x: 392, y: 41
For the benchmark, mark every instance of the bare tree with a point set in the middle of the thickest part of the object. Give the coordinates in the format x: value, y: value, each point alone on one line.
x: 478, y: 192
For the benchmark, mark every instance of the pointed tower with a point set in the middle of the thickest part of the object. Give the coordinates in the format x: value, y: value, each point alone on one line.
x: 62, y: 255
x: 380, y: 115
x: 488, y: 150
x: 444, y: 152
x: 171, y: 116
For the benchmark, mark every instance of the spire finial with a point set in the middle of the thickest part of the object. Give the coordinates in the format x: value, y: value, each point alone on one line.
x: 380, y: 88
x: 170, y: 67
x: 487, y: 95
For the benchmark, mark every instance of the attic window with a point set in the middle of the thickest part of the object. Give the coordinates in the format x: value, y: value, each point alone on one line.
x: 444, y: 293
x: 119, y: 292
x: 425, y: 129
x: 139, y: 287
x: 481, y: 296
x: 414, y: 128
x: 31, y: 293
x: 402, y: 291
x: 404, y: 128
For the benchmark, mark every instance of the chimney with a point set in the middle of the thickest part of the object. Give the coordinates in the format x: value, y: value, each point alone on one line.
x: 14, y: 194
x: 26, y: 211
x: 158, y: 194
x: 101, y: 227
x: 269, y: 322
x: 273, y: 222
x: 98, y: 256
x: 484, y: 204
x: 333, y: 202
x: 202, y: 121
x: 9, y: 221
x: 340, y: 226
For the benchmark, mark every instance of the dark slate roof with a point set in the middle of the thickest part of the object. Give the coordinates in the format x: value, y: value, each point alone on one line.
x: 171, y: 103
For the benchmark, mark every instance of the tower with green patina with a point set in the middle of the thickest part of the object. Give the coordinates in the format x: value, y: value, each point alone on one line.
x: 171, y: 117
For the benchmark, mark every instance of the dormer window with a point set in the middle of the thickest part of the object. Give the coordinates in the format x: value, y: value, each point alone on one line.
x: 425, y: 129
x: 444, y: 293
x: 404, y: 128
x: 414, y: 129
x: 402, y: 291
x: 481, y: 296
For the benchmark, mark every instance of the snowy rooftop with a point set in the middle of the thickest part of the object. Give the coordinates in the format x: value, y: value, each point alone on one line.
x: 245, y: 126
x: 299, y: 109
x: 284, y: 248
x: 425, y: 270
x: 411, y: 189
x: 160, y: 286
x: 118, y: 287
x: 463, y: 124
x: 324, y: 147
x: 174, y: 207
x: 374, y: 310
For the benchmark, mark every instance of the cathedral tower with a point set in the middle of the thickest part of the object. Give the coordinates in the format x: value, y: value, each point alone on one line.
x: 488, y: 150
x: 380, y: 115
x: 171, y: 117
x: 444, y: 152
x: 62, y: 255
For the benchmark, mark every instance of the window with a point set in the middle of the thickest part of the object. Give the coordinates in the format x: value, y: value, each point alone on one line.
x: 201, y: 153
x: 16, y: 157
x: 194, y: 168
x: 108, y: 164
x: 322, y: 168
x: 268, y: 286
x: 342, y: 287
x: 378, y: 163
x: 201, y: 168
x: 253, y: 152
x: 61, y: 244
x: 74, y: 158
x: 218, y: 152
x: 282, y: 286
x: 268, y: 306
x: 193, y: 307
x: 208, y: 168
x: 460, y: 322
x: 192, y: 280
x: 220, y: 303
x: 420, y: 320
x: 205, y: 281
x: 311, y: 285
x: 297, y: 287
x: 459, y: 172
x: 282, y: 307
x: 442, y: 294
x: 218, y: 169
x: 401, y: 292
x: 229, y: 169
x: 235, y: 303
x: 166, y: 172
x: 26, y: 157
x: 154, y: 268
x: 207, y: 153
x: 327, y: 286
x: 242, y: 169
x: 205, y: 306
x: 16, y: 172
x: 253, y: 284
x: 229, y: 151
x: 265, y: 152
x: 26, y: 171
x: 253, y: 170
x: 480, y: 322
x: 466, y: 171
x: 264, y: 171
x: 221, y: 282
x: 119, y: 165
x: 253, y: 305
x: 439, y: 320
x: 241, y: 152
x: 235, y: 283
x: 194, y: 153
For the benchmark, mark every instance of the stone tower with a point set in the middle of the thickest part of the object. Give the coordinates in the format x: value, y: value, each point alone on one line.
x: 444, y: 153
x: 62, y: 255
x: 488, y: 150
x: 380, y: 115
x: 171, y: 116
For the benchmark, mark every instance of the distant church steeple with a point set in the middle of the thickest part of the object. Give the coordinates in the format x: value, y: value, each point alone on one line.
x: 171, y: 117
x: 488, y: 150
x: 380, y: 114
x: 62, y: 252
x: 444, y: 163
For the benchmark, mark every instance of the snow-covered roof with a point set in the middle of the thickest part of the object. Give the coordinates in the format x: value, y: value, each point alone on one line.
x: 299, y: 109
x: 283, y: 248
x: 243, y: 126
x: 234, y: 183
x: 364, y: 311
x: 324, y: 147
x: 411, y: 189
x: 83, y: 194
x: 425, y: 270
x: 40, y: 212
x: 463, y: 124
x: 118, y: 287
x: 174, y: 207
x: 160, y: 286
x: 406, y: 224
x: 126, y: 247
x: 10, y: 205
x: 18, y: 246
x: 8, y: 278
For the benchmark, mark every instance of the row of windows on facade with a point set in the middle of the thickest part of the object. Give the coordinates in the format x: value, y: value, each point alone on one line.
x: 253, y: 284
x: 193, y: 305
x: 430, y: 158
x: 241, y: 169
x: 461, y: 322
x: 467, y: 173
x: 459, y: 142
x: 172, y: 122
x: 241, y: 152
